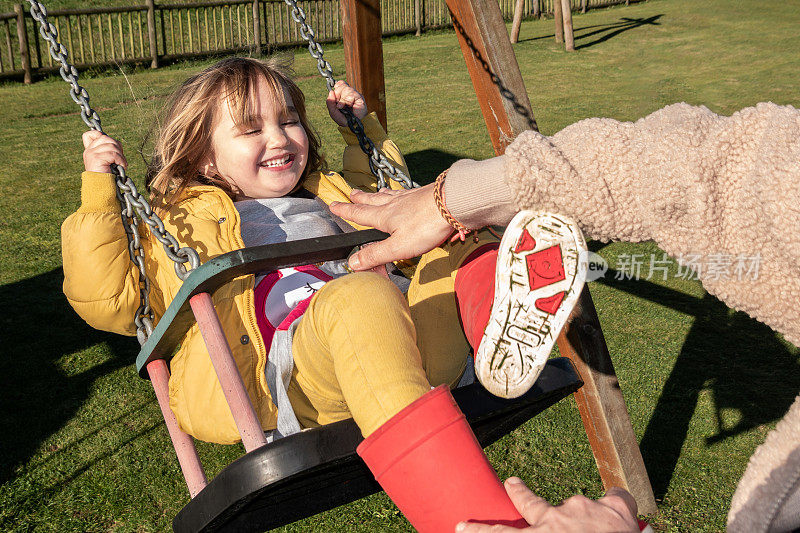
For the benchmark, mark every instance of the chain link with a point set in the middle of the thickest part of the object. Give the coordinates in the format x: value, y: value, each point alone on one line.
x: 379, y: 164
x: 133, y: 204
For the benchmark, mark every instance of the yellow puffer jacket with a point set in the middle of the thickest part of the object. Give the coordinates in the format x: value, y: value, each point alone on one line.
x: 102, y: 285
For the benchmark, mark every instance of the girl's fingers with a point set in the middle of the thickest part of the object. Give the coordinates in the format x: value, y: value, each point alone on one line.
x: 107, y: 148
x: 117, y: 157
x: 100, y: 158
x: 97, y: 141
x: 346, y: 95
x: 89, y: 137
x: 331, y: 101
x: 341, y: 96
x: 104, y: 144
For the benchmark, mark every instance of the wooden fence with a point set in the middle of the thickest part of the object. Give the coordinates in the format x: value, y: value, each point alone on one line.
x: 154, y: 33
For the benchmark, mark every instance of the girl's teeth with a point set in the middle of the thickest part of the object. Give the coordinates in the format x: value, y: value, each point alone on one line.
x: 278, y: 163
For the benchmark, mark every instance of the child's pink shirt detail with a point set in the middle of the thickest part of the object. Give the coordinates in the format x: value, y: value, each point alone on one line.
x: 283, y: 295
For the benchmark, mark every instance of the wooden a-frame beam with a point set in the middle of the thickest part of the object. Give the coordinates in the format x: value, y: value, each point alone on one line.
x: 506, y: 110
x: 494, y: 70
x: 361, y: 33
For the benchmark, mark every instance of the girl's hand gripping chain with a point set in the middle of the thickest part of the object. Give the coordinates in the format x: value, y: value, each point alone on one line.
x: 343, y: 95
x: 101, y: 151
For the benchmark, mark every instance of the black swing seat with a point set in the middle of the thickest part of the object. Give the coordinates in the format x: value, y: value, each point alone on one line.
x: 317, y: 469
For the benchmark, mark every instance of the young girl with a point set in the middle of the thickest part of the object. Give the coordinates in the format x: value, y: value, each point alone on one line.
x: 237, y: 164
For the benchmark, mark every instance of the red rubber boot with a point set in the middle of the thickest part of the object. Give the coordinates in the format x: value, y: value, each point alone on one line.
x: 428, y: 461
x: 474, y: 288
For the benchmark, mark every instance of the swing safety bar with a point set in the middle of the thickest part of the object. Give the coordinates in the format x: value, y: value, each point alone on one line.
x: 214, y: 273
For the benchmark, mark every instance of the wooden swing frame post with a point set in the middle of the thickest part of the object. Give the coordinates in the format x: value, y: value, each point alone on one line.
x: 506, y: 110
x: 363, y: 52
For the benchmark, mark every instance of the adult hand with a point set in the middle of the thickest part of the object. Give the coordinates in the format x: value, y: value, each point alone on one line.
x: 410, y: 217
x: 616, y: 511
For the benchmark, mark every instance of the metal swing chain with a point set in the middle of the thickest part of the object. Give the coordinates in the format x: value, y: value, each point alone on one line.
x: 378, y: 163
x: 131, y: 201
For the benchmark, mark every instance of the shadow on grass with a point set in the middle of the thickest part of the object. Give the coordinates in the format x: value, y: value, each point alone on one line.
x: 603, y: 32
x: 39, y: 328
x: 740, y: 360
x: 425, y: 165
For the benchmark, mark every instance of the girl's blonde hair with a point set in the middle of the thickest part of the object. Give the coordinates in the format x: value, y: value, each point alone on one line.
x: 184, y: 137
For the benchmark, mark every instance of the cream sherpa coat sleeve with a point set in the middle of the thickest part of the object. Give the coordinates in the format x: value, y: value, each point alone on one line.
x: 699, y: 184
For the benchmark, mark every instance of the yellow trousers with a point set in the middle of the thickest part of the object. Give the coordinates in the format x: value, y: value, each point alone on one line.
x: 364, y: 350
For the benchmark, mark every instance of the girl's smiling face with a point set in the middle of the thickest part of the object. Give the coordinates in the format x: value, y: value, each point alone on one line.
x: 263, y: 156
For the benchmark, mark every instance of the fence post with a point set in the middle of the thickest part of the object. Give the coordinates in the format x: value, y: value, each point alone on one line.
x: 417, y: 17
x: 517, y: 22
x: 151, y: 32
x: 559, y: 18
x: 566, y: 13
x: 256, y: 29
x: 22, y: 35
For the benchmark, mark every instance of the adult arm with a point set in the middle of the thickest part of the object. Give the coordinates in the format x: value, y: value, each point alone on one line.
x: 356, y: 174
x: 413, y: 219
x: 703, y: 186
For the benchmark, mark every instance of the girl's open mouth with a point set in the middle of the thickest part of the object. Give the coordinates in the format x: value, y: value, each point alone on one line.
x: 279, y: 163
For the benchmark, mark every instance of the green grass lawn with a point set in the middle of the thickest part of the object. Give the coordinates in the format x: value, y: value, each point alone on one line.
x: 83, y: 447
